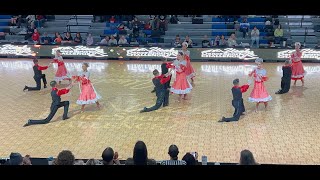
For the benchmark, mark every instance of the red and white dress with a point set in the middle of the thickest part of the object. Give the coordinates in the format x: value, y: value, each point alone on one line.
x: 259, y: 92
x: 181, y: 84
x: 189, y: 70
x: 62, y: 73
x: 88, y: 94
x: 298, y: 71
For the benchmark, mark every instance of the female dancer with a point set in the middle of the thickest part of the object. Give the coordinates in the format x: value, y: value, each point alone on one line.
x: 88, y: 94
x: 181, y: 84
x: 298, y: 72
x: 259, y: 93
x: 62, y: 73
x: 189, y: 70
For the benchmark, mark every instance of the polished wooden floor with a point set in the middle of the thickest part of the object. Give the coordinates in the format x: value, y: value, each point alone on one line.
x: 287, y: 132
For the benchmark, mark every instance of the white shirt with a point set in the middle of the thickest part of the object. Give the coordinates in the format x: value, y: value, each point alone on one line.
x: 122, y: 41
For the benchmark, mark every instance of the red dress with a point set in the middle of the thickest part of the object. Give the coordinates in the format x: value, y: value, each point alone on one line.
x: 189, y: 69
x: 62, y: 73
x: 259, y: 92
x: 88, y: 94
x: 181, y: 84
x: 297, y: 68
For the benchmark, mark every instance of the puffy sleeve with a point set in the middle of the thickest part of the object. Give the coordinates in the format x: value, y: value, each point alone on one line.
x: 42, y: 68
x: 62, y: 92
x: 244, y: 88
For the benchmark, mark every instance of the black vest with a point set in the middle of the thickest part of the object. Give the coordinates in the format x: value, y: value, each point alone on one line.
x: 287, y: 72
x: 55, y: 98
x: 237, y: 94
x: 37, y: 72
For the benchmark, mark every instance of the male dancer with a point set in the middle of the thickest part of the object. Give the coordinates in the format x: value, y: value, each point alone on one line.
x: 237, y: 101
x: 164, y: 70
x: 286, y: 78
x: 55, y: 105
x: 159, y: 81
x: 38, y: 76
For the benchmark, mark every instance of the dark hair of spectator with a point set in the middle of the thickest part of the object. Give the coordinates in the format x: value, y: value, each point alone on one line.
x: 140, y: 153
x: 246, y: 158
x: 65, y: 157
x: 189, y: 159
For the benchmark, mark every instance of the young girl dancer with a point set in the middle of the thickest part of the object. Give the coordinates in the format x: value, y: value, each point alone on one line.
x: 259, y: 93
x: 189, y: 70
x: 62, y: 73
x: 181, y: 84
x: 88, y: 94
x: 298, y: 71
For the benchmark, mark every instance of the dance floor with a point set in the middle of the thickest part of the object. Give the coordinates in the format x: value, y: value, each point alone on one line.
x: 288, y: 132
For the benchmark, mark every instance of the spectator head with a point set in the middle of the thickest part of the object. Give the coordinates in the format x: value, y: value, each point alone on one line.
x: 140, y: 153
x: 218, y: 37
x: 65, y: 157
x: 255, y: 28
x: 89, y: 34
x: 78, y: 35
x: 233, y: 36
x: 205, y: 36
x: 53, y: 84
x: 35, y: 30
x: 85, y: 66
x: 236, y: 82
x: 107, y: 38
x: 155, y: 72
x: 177, y: 38
x: 189, y: 159
x: 246, y: 158
x: 244, y: 20
x: 222, y: 36
x: 59, y: 36
x: 16, y: 159
x: 93, y: 162
x: 112, y: 37
x: 279, y: 26
x: 68, y: 34
x: 45, y: 34
x: 56, y: 34
x: 187, y: 38
x: 122, y: 37
x: 107, y: 156
x: 173, y: 152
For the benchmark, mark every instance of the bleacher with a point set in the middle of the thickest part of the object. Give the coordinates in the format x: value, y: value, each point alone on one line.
x: 304, y: 29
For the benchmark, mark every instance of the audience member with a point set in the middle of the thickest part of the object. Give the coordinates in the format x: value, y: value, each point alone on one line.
x: 255, y: 36
x: 189, y: 159
x: 112, y: 19
x: 163, y: 24
x: 15, y: 159
x: 46, y: 39
x: 246, y: 158
x: 89, y: 40
x: 78, y: 39
x: 147, y: 26
x: 65, y: 157
x: 173, y: 153
x: 136, y: 27
x: 177, y: 42
x: 105, y: 40
x: 122, y: 41
x: 140, y: 155
x: 121, y: 27
x: 58, y: 39
x: 67, y: 38
x: 278, y: 34
x: 223, y: 42
x: 36, y: 36
x: 244, y: 27
x: 216, y: 41
x: 188, y: 40
x: 30, y: 19
x: 205, y: 42
x: 26, y: 160
x: 112, y: 41
x: 232, y: 42
x: 110, y: 157
x: 174, y: 19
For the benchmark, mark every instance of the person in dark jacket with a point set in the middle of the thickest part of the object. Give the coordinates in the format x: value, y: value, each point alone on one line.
x: 286, y: 78
x: 237, y: 101
x: 55, y: 105
x: 38, y: 76
x: 159, y: 82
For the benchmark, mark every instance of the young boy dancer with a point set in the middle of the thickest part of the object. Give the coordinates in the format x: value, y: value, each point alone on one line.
x: 286, y: 78
x: 159, y: 82
x: 55, y: 105
x: 237, y: 101
x: 37, y: 69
